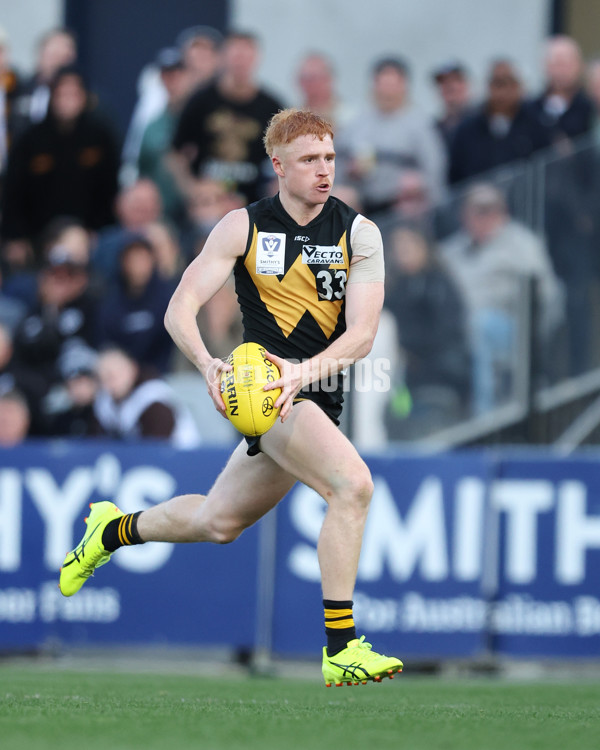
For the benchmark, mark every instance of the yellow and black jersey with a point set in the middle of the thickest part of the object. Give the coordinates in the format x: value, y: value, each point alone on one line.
x: 291, y: 284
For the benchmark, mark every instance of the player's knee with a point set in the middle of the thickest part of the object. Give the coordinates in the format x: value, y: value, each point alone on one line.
x: 362, y: 488
x: 225, y: 534
x: 357, y: 489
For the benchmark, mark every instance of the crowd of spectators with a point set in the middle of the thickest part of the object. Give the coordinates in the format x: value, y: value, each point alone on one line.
x: 96, y: 232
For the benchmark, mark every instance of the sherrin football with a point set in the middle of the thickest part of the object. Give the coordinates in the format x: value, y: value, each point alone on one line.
x: 249, y: 408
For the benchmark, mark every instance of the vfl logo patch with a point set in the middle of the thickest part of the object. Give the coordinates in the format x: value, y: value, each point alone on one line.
x: 271, y: 245
x: 270, y: 253
x: 322, y: 255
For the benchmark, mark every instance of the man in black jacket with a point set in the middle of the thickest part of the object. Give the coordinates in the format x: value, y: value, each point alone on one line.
x: 504, y: 130
x: 566, y: 113
x: 563, y: 109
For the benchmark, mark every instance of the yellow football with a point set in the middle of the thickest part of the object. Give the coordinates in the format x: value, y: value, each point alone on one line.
x: 249, y: 408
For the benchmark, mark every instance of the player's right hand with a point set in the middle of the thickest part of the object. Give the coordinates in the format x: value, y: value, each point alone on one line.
x: 212, y: 375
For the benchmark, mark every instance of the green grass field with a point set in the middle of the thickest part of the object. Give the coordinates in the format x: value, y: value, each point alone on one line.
x: 44, y: 709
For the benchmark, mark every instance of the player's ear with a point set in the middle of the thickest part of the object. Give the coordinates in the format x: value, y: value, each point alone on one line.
x: 277, y: 166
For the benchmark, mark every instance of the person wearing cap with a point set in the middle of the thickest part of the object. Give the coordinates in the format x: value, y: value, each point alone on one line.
x: 219, y: 134
x: 74, y: 414
x: 200, y: 49
x: 389, y: 137
x: 453, y: 86
x: 489, y: 258
x: 157, y: 137
x: 64, y: 308
x: 502, y: 131
x: 65, y: 165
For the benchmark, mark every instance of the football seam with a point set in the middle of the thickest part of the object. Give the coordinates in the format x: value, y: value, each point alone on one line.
x: 251, y: 400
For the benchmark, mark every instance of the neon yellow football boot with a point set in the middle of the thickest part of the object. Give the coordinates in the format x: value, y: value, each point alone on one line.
x: 89, y: 554
x: 358, y: 663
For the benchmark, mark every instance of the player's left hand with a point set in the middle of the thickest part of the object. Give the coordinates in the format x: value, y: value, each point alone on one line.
x: 290, y: 382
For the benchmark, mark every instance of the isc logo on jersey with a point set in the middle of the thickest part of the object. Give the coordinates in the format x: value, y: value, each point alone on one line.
x: 322, y: 255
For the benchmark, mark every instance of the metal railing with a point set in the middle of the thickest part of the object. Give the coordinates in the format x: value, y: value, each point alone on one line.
x: 553, y: 197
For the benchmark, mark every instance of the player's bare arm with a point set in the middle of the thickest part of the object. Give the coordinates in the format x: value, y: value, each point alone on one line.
x: 202, y: 280
x: 364, y: 301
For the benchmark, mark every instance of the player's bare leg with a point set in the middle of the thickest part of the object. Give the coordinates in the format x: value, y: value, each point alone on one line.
x: 247, y: 488
x: 311, y: 448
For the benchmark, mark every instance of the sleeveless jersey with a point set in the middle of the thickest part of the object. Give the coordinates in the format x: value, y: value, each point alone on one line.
x: 291, y: 285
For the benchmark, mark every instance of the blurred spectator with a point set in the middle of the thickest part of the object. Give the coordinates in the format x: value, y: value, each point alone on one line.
x: 316, y: 80
x: 503, y: 131
x: 14, y: 419
x: 389, y: 138
x: 220, y: 131
x: 56, y: 49
x: 131, y: 314
x: 10, y: 89
x: 570, y: 190
x: 66, y: 164
x: 220, y: 319
x: 412, y: 207
x: 170, y: 262
x: 16, y: 376
x: 348, y: 194
x: 200, y: 47
x: 132, y: 403
x: 592, y: 186
x: 488, y: 259
x: 63, y: 231
x: 70, y: 234
x: 454, y: 90
x: 431, y: 323
x: 75, y: 416
x: 157, y: 137
x: 12, y: 309
x: 564, y: 108
x: 137, y: 207
x: 208, y: 202
x: 593, y: 91
x: 64, y: 308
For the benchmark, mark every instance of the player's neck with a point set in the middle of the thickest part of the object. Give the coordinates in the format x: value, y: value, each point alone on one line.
x: 300, y: 211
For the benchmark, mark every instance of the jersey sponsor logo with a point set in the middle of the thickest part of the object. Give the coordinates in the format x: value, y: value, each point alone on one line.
x: 322, y: 255
x: 301, y: 238
x: 270, y: 253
